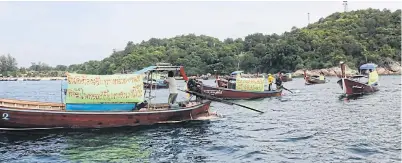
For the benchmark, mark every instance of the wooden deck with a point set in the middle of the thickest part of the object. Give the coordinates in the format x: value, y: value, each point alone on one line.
x: 35, y: 105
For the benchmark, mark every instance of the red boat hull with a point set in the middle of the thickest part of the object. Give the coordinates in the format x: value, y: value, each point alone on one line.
x: 351, y: 87
x: 31, y: 118
x: 238, y: 95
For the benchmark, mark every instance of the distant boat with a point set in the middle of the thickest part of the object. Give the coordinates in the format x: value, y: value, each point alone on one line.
x: 287, y: 77
x: 8, y: 79
x: 314, y: 79
x: 31, y: 79
x: 233, y: 94
x: 353, y: 85
x: 226, y: 89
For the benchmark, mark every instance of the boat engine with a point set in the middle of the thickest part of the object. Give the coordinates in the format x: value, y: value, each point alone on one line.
x: 194, y: 85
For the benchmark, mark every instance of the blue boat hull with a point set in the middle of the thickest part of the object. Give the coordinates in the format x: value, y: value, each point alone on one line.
x: 100, y: 107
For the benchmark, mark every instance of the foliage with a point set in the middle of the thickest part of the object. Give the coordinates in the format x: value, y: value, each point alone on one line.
x: 8, y: 65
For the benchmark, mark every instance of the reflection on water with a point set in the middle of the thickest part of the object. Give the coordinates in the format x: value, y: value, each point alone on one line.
x: 126, y: 144
x: 105, y: 147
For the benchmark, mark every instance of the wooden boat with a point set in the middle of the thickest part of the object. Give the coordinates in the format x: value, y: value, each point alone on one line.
x: 226, y: 89
x: 353, y: 85
x: 233, y: 94
x: 314, y: 80
x: 45, y: 115
x: 34, y: 115
x: 8, y: 79
x: 33, y: 79
x: 287, y: 77
x: 311, y: 80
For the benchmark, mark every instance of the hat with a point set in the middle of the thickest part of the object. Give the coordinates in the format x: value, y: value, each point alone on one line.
x: 270, y: 74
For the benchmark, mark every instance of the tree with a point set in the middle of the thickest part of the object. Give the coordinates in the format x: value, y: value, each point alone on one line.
x: 60, y: 68
x: 8, y: 64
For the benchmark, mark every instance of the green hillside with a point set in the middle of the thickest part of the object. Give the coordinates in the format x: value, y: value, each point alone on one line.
x: 356, y: 37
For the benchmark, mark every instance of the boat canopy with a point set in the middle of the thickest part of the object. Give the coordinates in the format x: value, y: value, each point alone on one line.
x: 368, y: 66
x: 158, y: 68
x: 236, y: 72
x: 163, y: 68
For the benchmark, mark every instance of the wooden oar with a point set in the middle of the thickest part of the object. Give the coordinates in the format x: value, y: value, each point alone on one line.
x: 220, y: 100
x: 287, y: 89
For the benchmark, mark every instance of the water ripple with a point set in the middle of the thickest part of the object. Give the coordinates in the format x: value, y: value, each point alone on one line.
x: 310, y: 125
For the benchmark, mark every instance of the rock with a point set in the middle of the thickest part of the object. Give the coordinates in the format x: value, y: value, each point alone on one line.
x: 298, y: 73
x: 381, y: 70
x: 390, y: 69
x: 325, y: 71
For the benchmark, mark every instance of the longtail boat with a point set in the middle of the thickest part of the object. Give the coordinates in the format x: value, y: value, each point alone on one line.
x: 8, y: 79
x: 101, y: 101
x: 287, y: 77
x: 353, y: 85
x: 314, y: 79
x: 32, y: 79
x: 235, y: 91
x: 233, y: 94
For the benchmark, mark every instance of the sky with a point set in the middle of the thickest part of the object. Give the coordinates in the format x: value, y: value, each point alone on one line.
x: 75, y: 32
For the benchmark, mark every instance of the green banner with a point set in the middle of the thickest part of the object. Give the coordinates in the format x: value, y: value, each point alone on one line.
x: 93, y: 89
x: 250, y: 84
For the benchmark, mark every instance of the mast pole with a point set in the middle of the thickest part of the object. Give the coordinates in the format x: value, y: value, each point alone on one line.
x: 61, y: 91
x: 150, y: 90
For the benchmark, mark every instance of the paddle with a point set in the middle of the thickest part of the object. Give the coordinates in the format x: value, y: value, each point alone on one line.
x: 219, y: 100
x: 287, y: 89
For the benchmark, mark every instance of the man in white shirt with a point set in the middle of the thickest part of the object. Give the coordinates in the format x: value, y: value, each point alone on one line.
x: 172, y: 88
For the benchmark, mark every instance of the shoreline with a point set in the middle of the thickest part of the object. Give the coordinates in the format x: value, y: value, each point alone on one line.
x: 336, y: 71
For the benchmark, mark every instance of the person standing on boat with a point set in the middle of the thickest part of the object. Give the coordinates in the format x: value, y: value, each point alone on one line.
x: 278, y: 83
x: 172, y: 88
x: 322, y: 76
x: 270, y: 81
x: 373, y: 77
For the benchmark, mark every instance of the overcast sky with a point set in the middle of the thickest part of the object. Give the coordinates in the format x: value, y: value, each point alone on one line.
x: 75, y: 32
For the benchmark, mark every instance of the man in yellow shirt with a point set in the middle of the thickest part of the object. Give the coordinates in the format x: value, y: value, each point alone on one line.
x: 373, y: 77
x: 270, y: 81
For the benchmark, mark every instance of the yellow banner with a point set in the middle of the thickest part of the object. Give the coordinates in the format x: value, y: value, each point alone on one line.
x: 250, y: 84
x: 156, y: 76
x: 82, y: 88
